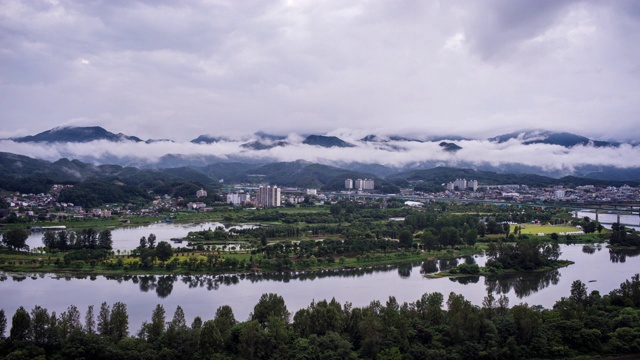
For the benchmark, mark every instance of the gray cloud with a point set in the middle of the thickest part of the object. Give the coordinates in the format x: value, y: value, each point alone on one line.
x: 159, y: 69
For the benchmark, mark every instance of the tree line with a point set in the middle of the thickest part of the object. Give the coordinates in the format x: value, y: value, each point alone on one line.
x: 582, y: 324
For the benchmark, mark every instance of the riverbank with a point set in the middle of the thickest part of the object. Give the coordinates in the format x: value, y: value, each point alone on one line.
x: 18, y: 262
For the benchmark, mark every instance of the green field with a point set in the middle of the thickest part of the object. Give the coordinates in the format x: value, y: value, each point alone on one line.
x: 544, y: 229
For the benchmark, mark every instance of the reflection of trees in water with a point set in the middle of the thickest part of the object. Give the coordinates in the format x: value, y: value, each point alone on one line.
x: 428, y: 267
x: 588, y: 249
x: 447, y: 264
x: 404, y: 270
x: 469, y: 260
x: 465, y: 280
x: 620, y: 255
x: 523, y: 284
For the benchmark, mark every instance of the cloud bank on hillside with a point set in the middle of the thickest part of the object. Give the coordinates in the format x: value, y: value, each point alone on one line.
x: 553, y: 158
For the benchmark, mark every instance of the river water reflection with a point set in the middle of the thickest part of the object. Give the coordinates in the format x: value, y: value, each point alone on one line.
x: 600, y: 268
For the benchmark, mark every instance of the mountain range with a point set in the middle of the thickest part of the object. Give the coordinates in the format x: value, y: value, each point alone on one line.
x: 94, y: 133
x: 540, y: 152
x: 22, y: 173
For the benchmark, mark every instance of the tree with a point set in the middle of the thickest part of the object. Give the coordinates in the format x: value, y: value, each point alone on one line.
x: 64, y: 239
x: 119, y: 321
x: 406, y: 239
x: 506, y: 227
x: 151, y: 241
x: 88, y: 238
x: 49, y: 239
x: 164, y: 251
x: 178, y: 321
x: 429, y: 240
x: 449, y: 236
x: 578, y: 293
x: 20, y: 325
x: 143, y: 243
x: 210, y: 340
x: 471, y: 237
x: 224, y: 321
x: 3, y: 323
x: 71, y: 320
x: 197, y: 323
x: 103, y: 320
x: 270, y: 305
x: 39, y: 324
x: 335, y: 209
x: 104, y: 240
x: 155, y: 329
x: 16, y: 239
x: 89, y: 321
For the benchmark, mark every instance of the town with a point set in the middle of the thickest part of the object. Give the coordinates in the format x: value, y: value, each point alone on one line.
x: 18, y: 207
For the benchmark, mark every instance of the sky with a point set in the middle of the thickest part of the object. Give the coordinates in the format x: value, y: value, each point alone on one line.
x: 168, y: 69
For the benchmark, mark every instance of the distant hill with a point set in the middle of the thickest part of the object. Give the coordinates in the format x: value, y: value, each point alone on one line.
x: 300, y: 174
x: 441, y: 175
x: 25, y: 174
x: 553, y: 138
x: 326, y: 141
x: 263, y: 145
x: 449, y: 147
x: 207, y: 139
x: 76, y: 134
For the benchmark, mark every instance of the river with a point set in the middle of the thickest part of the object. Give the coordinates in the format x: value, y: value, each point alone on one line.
x: 598, y: 267
x: 606, y: 219
x: 128, y: 237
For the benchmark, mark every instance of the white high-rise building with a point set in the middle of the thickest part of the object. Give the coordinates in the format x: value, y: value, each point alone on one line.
x: 472, y: 184
x: 348, y: 184
x: 559, y: 194
x: 364, y: 184
x: 461, y: 184
x: 268, y: 196
x: 237, y: 198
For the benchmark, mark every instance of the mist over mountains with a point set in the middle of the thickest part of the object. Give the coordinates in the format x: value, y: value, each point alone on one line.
x: 526, y: 152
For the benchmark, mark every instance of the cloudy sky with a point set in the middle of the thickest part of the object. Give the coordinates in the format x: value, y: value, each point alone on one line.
x: 168, y: 69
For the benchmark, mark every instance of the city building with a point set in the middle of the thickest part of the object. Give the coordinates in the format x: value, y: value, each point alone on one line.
x: 348, y: 184
x: 559, y: 194
x: 312, y: 192
x: 237, y: 198
x: 472, y: 184
x: 201, y: 193
x: 364, y: 184
x: 268, y: 196
x: 461, y: 184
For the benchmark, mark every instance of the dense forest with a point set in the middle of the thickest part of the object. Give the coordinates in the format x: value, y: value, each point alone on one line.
x: 583, y: 323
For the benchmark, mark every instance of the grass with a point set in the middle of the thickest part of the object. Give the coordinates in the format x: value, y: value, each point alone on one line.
x: 26, y: 263
x: 535, y: 229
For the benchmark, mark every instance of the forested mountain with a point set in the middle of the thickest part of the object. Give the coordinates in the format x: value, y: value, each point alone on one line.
x: 441, y: 175
x: 25, y: 174
x: 300, y: 174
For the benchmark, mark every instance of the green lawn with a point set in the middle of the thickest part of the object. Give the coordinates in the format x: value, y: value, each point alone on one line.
x: 544, y: 229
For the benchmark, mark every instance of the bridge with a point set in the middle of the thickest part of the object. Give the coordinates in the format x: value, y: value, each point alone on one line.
x: 597, y: 208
